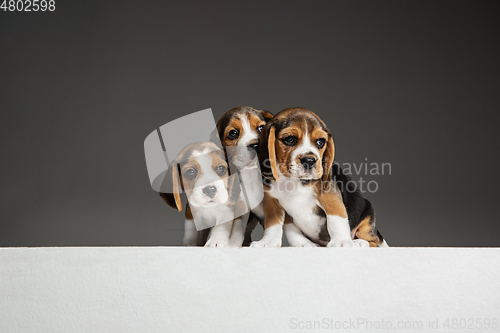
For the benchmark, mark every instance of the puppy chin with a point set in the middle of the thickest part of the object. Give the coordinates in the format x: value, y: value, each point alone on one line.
x: 206, y: 202
x: 211, y: 204
x: 242, y: 160
x: 308, y: 177
x: 303, y: 174
x: 240, y: 163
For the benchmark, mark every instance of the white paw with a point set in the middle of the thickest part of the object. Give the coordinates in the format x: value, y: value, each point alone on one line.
x: 340, y: 243
x: 360, y: 243
x: 266, y: 243
x: 214, y: 243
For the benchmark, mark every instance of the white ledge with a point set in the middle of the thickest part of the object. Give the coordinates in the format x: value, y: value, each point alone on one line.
x: 166, y: 289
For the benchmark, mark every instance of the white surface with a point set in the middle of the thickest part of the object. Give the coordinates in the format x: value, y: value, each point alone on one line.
x: 164, y: 289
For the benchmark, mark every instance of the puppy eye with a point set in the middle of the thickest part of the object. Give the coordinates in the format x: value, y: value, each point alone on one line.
x: 190, y: 174
x: 259, y: 129
x: 320, y: 143
x: 233, y: 134
x: 220, y: 170
x: 290, y: 140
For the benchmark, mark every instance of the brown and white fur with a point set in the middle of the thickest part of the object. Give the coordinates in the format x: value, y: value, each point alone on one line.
x: 239, y: 130
x: 300, y: 190
x: 202, y: 172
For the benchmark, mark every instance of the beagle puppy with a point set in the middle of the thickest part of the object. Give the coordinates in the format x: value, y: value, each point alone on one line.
x: 301, y: 188
x: 201, y: 171
x: 239, y: 130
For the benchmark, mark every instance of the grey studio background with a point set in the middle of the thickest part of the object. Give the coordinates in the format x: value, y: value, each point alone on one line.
x: 411, y: 83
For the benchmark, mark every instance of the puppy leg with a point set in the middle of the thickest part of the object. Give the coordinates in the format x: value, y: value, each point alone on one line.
x: 273, y: 223
x: 238, y: 231
x: 366, y: 228
x: 219, y: 236
x: 337, y: 222
x: 296, y: 238
x: 272, y: 237
x: 190, y: 234
x: 339, y: 230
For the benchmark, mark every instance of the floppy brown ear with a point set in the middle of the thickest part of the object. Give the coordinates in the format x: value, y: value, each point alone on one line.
x: 173, y: 199
x: 272, y: 152
x: 266, y: 114
x: 328, y: 158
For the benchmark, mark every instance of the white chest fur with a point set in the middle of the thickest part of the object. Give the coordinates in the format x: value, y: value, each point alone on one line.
x: 206, y: 217
x: 299, y: 201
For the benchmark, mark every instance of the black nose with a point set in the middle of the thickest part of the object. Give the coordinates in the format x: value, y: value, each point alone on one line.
x: 308, y: 162
x: 253, y: 146
x: 210, y: 191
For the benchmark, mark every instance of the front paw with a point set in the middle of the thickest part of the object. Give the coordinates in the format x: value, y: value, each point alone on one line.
x: 360, y: 243
x: 341, y: 243
x: 215, y: 243
x: 266, y: 243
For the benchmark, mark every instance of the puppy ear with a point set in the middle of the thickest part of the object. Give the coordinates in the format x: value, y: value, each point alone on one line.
x: 328, y: 158
x: 173, y: 199
x: 272, y: 152
x: 266, y: 114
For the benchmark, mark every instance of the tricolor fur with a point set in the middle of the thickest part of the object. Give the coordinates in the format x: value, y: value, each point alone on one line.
x: 301, y: 187
x: 239, y: 130
x: 202, y: 172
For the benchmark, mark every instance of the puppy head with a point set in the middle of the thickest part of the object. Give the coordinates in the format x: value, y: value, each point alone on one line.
x: 201, y: 171
x: 299, y: 145
x: 239, y: 131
